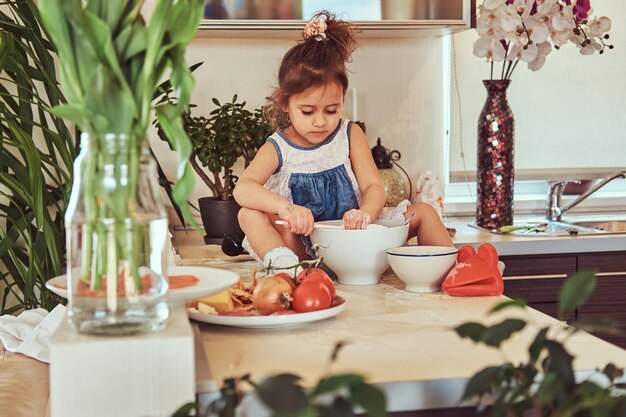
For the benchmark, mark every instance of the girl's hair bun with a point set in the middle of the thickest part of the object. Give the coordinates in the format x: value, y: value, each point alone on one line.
x: 320, y: 57
x: 329, y: 32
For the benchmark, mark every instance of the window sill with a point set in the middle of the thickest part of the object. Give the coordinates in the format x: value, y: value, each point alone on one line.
x: 535, y: 204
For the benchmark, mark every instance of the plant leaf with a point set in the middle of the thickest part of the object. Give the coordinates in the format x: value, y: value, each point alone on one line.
x: 612, y: 371
x: 471, y: 330
x: 170, y: 122
x: 516, y: 302
x: 481, y: 382
x: 560, y: 362
x: 283, y: 394
x: 500, y: 332
x: 549, y: 387
x: 333, y: 383
x: 370, y: 398
x: 538, y: 344
x: 576, y: 291
x: 491, y: 336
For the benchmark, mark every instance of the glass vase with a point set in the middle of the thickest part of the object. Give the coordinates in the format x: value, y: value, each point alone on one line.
x: 116, y: 239
x: 495, y: 174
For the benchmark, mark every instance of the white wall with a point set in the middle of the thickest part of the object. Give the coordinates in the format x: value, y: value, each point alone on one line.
x: 397, y: 80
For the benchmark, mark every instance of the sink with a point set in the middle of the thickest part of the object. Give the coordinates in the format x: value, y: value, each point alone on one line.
x: 543, y: 228
x: 605, y: 226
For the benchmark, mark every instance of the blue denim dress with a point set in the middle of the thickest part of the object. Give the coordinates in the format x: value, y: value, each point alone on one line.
x: 319, y: 178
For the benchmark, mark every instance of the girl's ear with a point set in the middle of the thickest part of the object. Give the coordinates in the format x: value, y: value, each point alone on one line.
x: 284, y: 104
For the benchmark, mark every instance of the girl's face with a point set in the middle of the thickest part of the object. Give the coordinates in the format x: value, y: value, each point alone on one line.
x: 314, y: 114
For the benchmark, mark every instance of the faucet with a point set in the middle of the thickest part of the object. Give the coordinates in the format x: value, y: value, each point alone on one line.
x: 554, y: 211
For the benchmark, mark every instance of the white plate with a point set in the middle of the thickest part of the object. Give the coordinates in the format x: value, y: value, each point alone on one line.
x: 272, y: 322
x: 211, y: 281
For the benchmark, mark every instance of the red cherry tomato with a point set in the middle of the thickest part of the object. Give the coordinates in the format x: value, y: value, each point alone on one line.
x: 316, y: 274
x: 307, y: 272
x: 311, y: 296
x: 285, y: 276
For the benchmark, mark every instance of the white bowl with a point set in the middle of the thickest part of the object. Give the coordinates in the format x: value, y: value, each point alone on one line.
x: 358, y: 256
x: 422, y: 268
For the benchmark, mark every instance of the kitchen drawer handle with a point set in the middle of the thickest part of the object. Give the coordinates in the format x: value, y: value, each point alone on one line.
x: 607, y: 274
x: 552, y: 276
x: 545, y: 276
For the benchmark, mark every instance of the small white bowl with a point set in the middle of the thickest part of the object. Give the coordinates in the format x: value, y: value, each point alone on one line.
x: 422, y: 268
x: 358, y: 256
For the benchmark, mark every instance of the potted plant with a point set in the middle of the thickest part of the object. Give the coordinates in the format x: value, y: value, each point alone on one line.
x: 545, y: 384
x: 37, y: 154
x: 231, y: 132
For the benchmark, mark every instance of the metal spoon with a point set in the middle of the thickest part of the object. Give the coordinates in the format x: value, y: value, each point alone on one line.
x: 408, y: 219
x: 315, y: 226
x: 334, y: 226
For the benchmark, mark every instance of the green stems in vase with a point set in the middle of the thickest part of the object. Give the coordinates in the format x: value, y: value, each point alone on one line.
x: 112, y: 64
x: 116, y: 230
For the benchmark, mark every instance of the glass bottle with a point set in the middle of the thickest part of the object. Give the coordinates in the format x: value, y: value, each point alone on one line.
x: 116, y: 228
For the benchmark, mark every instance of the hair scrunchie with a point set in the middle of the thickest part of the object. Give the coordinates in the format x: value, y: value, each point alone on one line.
x: 315, y: 28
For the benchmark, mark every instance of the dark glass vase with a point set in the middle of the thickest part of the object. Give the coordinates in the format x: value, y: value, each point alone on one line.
x: 495, y: 174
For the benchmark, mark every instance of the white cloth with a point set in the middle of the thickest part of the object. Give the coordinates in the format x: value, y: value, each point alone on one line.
x: 30, y: 332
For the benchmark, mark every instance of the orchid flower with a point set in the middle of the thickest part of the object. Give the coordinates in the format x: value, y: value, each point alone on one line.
x: 526, y: 30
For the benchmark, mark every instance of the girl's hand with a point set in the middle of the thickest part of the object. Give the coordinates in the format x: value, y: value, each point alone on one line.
x: 356, y: 219
x: 299, y: 219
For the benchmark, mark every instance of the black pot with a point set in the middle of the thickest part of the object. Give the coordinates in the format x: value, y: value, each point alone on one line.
x: 218, y: 218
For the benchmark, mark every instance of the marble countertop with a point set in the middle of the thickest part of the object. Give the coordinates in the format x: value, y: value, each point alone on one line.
x: 399, y: 340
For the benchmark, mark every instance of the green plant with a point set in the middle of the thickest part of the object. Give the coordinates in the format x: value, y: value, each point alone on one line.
x: 283, y: 395
x: 111, y: 65
x: 545, y: 385
x: 36, y: 153
x: 231, y: 132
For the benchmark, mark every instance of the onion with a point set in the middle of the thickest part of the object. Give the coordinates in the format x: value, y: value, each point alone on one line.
x: 271, y: 294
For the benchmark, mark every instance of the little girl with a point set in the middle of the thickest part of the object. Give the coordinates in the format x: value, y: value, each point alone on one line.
x: 316, y: 166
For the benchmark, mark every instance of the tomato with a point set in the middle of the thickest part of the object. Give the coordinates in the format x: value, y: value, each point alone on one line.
x: 311, y: 296
x: 317, y: 274
x: 306, y: 272
x: 287, y: 278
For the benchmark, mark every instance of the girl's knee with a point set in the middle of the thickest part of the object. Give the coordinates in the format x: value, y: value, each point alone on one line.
x: 247, y: 217
x: 421, y: 210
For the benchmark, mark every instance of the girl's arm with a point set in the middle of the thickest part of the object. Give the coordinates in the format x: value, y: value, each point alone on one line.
x: 249, y: 191
x: 367, y: 176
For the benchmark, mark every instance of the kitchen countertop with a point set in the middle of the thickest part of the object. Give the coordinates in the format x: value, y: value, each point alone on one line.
x: 399, y: 340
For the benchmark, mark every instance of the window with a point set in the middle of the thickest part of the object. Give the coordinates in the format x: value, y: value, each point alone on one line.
x: 569, y: 120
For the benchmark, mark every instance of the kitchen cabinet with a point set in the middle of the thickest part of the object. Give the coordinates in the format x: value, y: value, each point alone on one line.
x: 609, y: 299
x: 538, y: 278
x: 389, y: 19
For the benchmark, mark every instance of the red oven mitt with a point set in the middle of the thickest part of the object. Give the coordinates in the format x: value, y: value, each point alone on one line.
x: 475, y: 274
